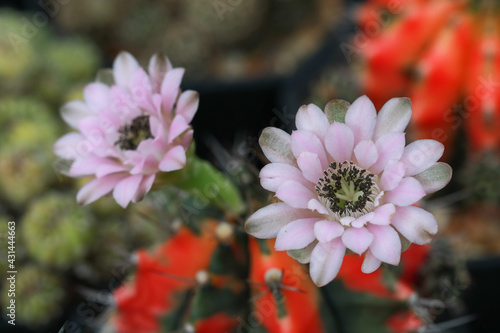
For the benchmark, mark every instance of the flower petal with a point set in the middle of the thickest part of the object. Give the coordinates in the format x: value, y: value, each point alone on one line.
x: 187, y: 105
x: 294, y: 194
x: 361, y: 221
x: 336, y: 109
x: 275, y: 144
x: 339, y: 142
x: 274, y: 174
x: 67, y: 146
x: 435, y: 178
x: 124, y: 68
x: 159, y: 65
x: 389, y: 147
x: 98, y: 187
x: 383, y: 214
x: 386, y: 245
x: 314, y: 204
x: 302, y: 141
x: 361, y: 117
x: 126, y: 189
x: 296, y: 235
x: 421, y: 155
x: 393, y: 117
x: 96, y: 96
x: 147, y: 165
x: 144, y: 187
x: 414, y: 223
x: 103, y: 169
x: 179, y: 125
x: 74, y: 111
x: 311, y: 118
x: 310, y: 166
x: 327, y: 230
x: 303, y: 255
x: 392, y: 175
x: 357, y: 239
x: 170, y: 88
x: 174, y: 159
x: 370, y: 264
x: 267, y: 221
x: 87, y: 166
x: 326, y: 259
x: 407, y: 193
x: 366, y: 153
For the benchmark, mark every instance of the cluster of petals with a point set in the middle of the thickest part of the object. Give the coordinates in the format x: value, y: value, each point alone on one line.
x: 123, y: 104
x: 304, y: 224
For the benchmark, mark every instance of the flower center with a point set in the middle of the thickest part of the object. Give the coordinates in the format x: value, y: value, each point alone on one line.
x: 347, y: 189
x: 132, y: 134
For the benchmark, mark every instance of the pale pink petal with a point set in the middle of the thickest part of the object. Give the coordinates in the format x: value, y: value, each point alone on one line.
x: 362, y: 220
x: 370, y: 264
x: 174, y: 159
x: 393, y: 117
x: 357, y: 239
x: 327, y: 230
x: 416, y: 224
x: 267, y: 221
x: 361, y: 117
x: 366, y: 153
x: 146, y: 166
x: 65, y: 147
x: 392, y: 175
x: 97, y: 96
x: 314, y: 204
x: 126, y: 189
x: 274, y: 174
x: 386, y: 245
x: 275, y: 144
x: 310, y: 166
x: 420, y: 155
x: 170, y: 88
x: 187, y: 105
x: 296, y: 235
x: 389, y: 147
x: 302, y: 141
x: 154, y: 126
x: 294, y: 194
x: 383, y: 214
x: 105, y: 169
x: 86, y: 166
x: 326, y: 259
x: 159, y: 65
x: 187, y: 139
x: 347, y: 220
x: 339, y: 142
x: 178, y: 126
x: 74, y: 111
x: 144, y: 187
x: 311, y: 118
x: 98, y: 187
x: 407, y: 193
x: 124, y: 69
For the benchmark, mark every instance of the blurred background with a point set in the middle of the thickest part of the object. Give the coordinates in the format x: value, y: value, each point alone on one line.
x: 254, y: 62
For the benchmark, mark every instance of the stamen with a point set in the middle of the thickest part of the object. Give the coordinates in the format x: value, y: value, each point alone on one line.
x: 347, y: 190
x: 133, y: 134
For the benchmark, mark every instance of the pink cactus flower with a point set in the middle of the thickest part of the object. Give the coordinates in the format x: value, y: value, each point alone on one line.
x: 130, y: 126
x: 346, y: 182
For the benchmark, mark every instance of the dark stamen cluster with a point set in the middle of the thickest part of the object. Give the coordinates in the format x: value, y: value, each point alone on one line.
x: 331, y: 184
x: 132, y: 134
